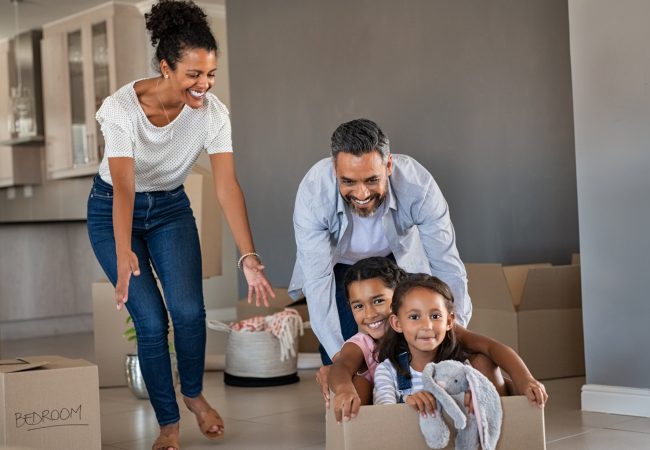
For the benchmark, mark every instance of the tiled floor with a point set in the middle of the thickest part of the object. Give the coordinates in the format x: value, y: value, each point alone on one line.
x: 291, y: 417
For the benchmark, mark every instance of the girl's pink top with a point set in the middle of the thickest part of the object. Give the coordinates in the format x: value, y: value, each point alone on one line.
x: 367, y: 346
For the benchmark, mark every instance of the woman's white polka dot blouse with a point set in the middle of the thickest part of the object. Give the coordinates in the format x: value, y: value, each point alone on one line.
x: 163, y: 156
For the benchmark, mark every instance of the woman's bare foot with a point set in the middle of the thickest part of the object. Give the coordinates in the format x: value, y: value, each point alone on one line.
x: 209, y: 420
x: 168, y: 439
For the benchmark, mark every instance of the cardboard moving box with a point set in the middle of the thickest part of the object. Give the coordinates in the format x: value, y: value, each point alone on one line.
x: 535, y: 309
x: 199, y: 188
x: 308, y: 342
x: 109, y: 325
x: 390, y: 427
x: 49, y: 402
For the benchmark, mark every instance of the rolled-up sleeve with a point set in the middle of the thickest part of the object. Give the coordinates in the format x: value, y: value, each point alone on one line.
x: 314, y: 256
x: 439, y: 242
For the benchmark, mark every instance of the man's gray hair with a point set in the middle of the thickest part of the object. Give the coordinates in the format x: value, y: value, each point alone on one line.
x: 358, y: 137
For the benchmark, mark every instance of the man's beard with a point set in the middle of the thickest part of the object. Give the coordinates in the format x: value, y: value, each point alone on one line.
x: 365, y: 212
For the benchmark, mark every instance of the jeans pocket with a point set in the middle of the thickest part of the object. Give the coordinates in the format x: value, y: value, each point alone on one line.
x: 101, y: 193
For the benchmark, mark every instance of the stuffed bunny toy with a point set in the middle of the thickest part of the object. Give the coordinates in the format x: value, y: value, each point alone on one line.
x: 448, y: 381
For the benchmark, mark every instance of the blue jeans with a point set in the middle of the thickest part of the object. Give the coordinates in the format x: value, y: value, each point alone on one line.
x: 348, y: 325
x: 165, y: 239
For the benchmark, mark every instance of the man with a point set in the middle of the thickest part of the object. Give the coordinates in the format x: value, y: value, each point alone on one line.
x: 365, y: 202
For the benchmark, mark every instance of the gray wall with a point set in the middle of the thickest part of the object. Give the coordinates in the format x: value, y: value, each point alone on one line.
x: 479, y: 92
x: 611, y: 69
x: 45, y: 275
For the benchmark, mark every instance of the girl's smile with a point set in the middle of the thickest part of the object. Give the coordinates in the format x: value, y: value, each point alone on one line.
x: 424, y: 320
x: 370, y: 301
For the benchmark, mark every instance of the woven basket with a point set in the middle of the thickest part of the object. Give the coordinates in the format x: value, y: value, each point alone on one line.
x: 253, y: 358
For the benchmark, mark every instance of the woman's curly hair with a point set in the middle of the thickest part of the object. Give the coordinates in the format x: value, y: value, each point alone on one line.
x: 176, y: 26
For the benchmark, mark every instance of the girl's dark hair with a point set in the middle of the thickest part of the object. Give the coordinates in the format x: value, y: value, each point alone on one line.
x: 393, y: 343
x: 176, y: 26
x: 374, y: 267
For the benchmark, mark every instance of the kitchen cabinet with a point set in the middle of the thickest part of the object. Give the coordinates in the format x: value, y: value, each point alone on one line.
x: 20, y: 148
x: 85, y: 58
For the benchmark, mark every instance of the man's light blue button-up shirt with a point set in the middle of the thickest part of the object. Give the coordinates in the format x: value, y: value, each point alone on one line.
x: 416, y: 223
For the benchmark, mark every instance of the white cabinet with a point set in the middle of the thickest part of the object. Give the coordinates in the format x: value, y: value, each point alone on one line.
x: 85, y: 58
x: 20, y: 158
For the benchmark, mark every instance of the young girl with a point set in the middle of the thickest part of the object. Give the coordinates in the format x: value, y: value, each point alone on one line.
x: 422, y: 331
x: 369, y: 285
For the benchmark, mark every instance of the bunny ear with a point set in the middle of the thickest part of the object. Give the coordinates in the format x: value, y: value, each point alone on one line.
x: 427, y: 377
x: 487, y: 407
x: 443, y: 399
x: 429, y: 370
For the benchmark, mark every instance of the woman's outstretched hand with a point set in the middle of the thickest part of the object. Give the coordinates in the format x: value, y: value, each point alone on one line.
x: 126, y: 266
x: 258, y: 285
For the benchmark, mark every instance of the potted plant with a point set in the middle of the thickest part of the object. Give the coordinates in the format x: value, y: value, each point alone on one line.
x: 134, y: 379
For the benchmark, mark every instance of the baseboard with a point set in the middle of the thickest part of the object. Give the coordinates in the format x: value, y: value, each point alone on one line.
x: 616, y: 400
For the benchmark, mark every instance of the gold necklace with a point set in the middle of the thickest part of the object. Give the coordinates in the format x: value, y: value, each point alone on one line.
x: 161, y: 103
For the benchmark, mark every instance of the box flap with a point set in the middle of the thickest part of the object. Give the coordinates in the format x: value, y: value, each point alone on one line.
x: 46, y: 362
x: 19, y: 365
x: 555, y: 287
x: 66, y: 363
x: 487, y: 287
x: 516, y: 277
x: 575, y: 258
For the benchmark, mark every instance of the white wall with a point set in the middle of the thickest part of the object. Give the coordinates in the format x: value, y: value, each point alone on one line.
x: 610, y: 61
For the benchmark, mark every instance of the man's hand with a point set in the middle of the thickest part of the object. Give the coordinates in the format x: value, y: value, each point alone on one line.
x: 321, y: 379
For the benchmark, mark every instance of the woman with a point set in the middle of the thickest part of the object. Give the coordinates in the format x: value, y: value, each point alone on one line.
x: 139, y: 217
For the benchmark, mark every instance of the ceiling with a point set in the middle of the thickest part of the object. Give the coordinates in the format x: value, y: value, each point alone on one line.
x: 35, y: 13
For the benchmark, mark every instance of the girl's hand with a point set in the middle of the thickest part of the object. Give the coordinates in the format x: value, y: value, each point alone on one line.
x: 422, y: 401
x: 346, y: 405
x: 258, y: 285
x: 126, y: 266
x: 469, y: 406
x: 321, y: 379
x: 534, y: 390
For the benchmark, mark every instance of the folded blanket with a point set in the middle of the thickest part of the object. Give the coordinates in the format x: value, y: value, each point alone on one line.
x: 284, y: 325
